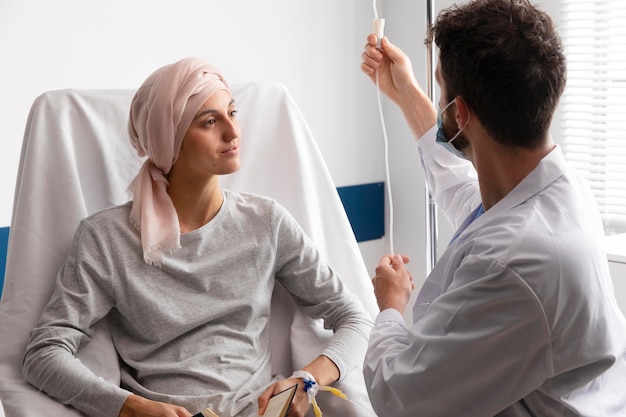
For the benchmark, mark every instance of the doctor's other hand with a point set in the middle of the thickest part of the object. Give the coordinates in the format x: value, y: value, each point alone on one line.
x: 395, y: 71
x: 393, y: 283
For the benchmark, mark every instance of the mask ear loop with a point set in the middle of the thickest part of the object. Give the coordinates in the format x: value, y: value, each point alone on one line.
x: 469, y: 117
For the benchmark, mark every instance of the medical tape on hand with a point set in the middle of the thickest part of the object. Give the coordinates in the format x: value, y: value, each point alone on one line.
x: 311, y: 387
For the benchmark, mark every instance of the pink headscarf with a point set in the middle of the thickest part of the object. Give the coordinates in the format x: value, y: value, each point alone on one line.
x: 160, y: 114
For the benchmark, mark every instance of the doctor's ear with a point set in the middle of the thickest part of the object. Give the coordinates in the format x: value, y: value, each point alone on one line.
x: 463, y: 111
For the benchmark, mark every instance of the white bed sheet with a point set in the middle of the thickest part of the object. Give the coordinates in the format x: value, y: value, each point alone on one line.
x: 76, y: 159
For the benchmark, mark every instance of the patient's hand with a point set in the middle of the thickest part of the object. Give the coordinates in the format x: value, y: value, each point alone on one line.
x: 300, y: 404
x: 136, y: 406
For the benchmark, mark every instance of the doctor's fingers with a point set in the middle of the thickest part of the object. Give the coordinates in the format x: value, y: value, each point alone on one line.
x: 389, y: 284
x: 369, y: 64
x: 392, y: 267
x: 385, y: 50
x: 399, y: 259
x: 373, y: 59
x: 398, y: 263
x: 388, y: 260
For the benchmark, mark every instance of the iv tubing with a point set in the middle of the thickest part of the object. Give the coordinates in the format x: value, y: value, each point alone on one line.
x: 386, y: 141
x: 389, y: 197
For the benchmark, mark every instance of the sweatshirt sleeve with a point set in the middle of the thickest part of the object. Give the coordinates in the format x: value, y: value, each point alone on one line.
x: 82, y: 297
x: 320, y: 292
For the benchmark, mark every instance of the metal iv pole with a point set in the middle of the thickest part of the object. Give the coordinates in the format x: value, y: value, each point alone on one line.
x: 431, y: 208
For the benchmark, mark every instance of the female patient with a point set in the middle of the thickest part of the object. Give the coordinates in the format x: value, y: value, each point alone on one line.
x: 185, y: 273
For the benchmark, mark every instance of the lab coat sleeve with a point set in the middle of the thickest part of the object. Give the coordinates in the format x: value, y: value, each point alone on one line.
x: 451, y: 180
x: 487, y: 333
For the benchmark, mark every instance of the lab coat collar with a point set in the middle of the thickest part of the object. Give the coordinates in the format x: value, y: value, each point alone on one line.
x: 550, y: 168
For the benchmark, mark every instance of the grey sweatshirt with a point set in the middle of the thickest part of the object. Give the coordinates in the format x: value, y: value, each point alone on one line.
x: 194, y: 332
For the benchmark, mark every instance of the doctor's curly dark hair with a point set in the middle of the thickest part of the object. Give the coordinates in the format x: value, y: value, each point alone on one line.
x: 505, y: 59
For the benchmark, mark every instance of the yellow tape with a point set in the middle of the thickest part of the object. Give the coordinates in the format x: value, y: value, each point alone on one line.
x: 334, y: 391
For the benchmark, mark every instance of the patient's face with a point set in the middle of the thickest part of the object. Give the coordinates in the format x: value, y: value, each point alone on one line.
x: 211, y: 144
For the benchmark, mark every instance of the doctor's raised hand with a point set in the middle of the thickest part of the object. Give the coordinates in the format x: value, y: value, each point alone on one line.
x: 394, y: 71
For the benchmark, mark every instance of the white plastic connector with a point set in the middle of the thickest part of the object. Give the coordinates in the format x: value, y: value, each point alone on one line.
x: 379, y: 30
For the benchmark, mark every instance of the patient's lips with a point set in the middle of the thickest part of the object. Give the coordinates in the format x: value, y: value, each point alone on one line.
x: 233, y: 150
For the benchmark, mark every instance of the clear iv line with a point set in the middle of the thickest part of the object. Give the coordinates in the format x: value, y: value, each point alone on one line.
x: 389, y: 197
x: 386, y: 141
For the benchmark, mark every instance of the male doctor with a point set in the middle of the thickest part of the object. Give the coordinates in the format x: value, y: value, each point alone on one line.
x: 518, y: 317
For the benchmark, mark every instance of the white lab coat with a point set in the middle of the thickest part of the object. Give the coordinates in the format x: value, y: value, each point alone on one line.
x: 518, y: 317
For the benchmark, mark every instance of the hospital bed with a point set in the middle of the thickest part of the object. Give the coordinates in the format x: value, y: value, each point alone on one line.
x: 76, y: 159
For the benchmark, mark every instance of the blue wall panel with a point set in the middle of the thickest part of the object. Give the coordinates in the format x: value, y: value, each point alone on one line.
x: 4, y: 241
x: 365, y: 206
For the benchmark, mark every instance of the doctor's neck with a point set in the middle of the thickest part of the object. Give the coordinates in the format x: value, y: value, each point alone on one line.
x: 500, y: 169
